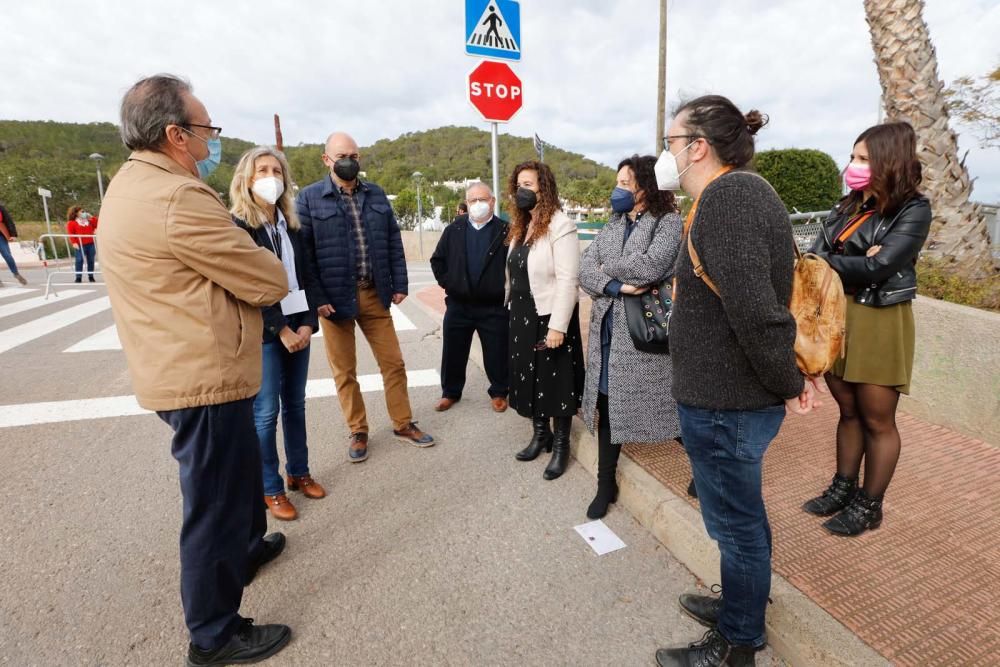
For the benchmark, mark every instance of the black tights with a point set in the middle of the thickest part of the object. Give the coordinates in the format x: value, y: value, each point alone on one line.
x: 867, y: 430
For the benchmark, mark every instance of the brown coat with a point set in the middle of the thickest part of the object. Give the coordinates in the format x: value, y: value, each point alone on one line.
x: 186, y: 286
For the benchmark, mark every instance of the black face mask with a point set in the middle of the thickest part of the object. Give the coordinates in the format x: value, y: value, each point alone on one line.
x: 346, y: 168
x: 525, y: 199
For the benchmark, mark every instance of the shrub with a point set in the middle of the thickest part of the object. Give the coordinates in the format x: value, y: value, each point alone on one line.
x: 935, y: 280
x: 805, y: 179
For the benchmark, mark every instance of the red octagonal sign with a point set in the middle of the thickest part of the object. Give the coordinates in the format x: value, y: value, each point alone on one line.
x: 495, y: 91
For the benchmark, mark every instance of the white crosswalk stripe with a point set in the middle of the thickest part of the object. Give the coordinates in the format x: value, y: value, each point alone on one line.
x: 29, y: 331
x: 79, y: 409
x: 9, y: 292
x: 25, y: 305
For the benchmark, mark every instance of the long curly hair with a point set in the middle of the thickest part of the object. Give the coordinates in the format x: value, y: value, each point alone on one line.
x: 895, y: 168
x: 657, y: 202
x: 548, y: 202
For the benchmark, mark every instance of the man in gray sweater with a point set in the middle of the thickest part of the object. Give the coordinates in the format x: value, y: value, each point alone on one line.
x: 731, y: 342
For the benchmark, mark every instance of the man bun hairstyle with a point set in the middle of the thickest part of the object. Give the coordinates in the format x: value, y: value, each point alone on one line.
x: 727, y: 129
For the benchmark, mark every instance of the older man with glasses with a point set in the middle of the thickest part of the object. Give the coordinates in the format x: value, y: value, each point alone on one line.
x: 186, y: 288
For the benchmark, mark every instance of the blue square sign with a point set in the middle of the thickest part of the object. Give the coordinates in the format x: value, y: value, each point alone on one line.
x: 493, y: 29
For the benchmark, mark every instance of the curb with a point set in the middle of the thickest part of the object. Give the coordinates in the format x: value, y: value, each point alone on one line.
x: 798, y: 629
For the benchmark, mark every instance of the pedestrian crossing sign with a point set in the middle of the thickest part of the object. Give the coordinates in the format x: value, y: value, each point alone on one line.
x: 493, y: 29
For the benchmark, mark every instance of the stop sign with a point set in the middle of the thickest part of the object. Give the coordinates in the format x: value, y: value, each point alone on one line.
x: 495, y: 91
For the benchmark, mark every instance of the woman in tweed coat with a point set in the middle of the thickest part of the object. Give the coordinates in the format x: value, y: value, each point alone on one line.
x: 627, y: 392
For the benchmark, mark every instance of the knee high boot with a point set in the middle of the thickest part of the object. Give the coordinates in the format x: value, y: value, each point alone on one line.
x: 560, y: 448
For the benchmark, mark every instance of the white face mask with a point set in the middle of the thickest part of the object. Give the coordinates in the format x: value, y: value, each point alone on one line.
x: 479, y: 211
x: 667, y: 176
x: 269, y: 188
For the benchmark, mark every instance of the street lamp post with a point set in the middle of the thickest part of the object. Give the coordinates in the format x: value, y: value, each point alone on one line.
x: 417, y: 176
x: 100, y: 180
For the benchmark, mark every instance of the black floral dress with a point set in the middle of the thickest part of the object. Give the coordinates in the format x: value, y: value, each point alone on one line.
x: 543, y: 383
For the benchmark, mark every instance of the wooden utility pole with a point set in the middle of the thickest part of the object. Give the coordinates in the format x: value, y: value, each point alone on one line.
x: 661, y: 90
x: 278, y: 142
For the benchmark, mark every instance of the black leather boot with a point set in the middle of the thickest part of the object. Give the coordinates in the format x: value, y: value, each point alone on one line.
x: 703, y: 608
x: 712, y: 651
x: 863, y: 513
x: 607, y: 486
x: 560, y: 448
x: 836, y: 497
x: 541, y: 440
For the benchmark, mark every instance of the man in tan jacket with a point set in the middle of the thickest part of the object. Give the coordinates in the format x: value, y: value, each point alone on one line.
x: 186, y: 287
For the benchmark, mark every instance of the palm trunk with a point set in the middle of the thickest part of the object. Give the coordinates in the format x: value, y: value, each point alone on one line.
x: 912, y: 91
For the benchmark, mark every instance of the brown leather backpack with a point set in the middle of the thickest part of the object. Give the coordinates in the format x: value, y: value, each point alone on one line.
x: 817, y: 304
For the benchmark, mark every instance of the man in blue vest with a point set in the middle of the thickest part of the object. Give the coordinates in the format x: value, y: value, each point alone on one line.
x: 469, y: 263
x: 354, y: 254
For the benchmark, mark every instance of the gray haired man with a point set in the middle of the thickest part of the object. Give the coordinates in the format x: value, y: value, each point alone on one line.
x: 186, y: 288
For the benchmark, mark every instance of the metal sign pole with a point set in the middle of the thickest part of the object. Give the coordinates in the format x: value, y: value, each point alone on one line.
x: 496, y: 173
x: 48, y: 224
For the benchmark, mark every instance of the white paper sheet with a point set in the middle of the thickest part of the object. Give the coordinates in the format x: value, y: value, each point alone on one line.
x: 295, y: 302
x: 600, y: 538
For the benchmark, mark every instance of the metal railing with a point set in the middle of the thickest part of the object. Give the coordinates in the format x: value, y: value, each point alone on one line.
x: 56, y: 266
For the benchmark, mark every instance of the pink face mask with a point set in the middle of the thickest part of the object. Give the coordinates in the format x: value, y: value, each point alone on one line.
x: 858, y: 176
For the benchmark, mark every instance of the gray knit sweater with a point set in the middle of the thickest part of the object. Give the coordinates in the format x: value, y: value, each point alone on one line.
x: 736, y: 353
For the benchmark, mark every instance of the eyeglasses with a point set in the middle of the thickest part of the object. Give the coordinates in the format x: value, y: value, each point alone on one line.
x: 667, y: 139
x: 215, y: 131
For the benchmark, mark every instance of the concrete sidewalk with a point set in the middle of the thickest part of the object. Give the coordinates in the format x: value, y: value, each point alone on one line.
x: 921, y: 590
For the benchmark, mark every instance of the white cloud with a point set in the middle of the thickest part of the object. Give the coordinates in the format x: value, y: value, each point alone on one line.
x: 384, y: 67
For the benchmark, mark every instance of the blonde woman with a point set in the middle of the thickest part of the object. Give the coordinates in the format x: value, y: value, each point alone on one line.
x: 263, y: 206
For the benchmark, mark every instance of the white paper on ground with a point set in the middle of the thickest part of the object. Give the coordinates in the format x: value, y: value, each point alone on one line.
x: 600, y: 538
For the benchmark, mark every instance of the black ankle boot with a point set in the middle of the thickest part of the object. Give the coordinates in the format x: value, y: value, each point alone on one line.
x: 560, y: 448
x: 540, y: 440
x: 607, y: 486
x: 712, y: 651
x: 836, y: 497
x: 863, y: 513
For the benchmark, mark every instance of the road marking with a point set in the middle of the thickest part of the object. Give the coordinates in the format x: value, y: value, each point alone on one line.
x: 52, y: 412
x: 38, y: 302
x: 43, y: 326
x: 7, y: 292
x: 106, y: 339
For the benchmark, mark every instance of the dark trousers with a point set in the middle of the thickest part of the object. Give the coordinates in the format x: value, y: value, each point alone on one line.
x: 224, y: 514
x: 85, y: 251
x: 7, y: 255
x: 460, y: 322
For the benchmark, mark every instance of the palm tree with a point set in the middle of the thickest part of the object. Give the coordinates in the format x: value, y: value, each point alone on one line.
x: 912, y: 91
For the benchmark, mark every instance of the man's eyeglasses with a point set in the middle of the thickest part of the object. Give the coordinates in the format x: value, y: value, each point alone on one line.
x: 215, y: 131
x: 667, y: 139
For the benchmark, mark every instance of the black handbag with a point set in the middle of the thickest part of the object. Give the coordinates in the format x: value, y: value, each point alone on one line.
x: 648, y: 317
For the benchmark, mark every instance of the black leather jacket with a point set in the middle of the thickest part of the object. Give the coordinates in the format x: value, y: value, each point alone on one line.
x: 890, y: 277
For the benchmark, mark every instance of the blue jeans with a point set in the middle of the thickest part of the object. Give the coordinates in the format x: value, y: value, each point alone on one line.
x: 726, y: 449
x: 284, y: 386
x: 85, y: 250
x: 7, y: 256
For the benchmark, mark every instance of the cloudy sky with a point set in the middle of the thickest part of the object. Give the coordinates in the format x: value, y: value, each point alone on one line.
x: 379, y: 68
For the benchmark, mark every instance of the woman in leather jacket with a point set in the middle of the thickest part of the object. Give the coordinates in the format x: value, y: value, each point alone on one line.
x: 872, y: 238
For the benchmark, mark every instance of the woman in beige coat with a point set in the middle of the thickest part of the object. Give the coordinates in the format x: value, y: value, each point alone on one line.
x: 546, y: 373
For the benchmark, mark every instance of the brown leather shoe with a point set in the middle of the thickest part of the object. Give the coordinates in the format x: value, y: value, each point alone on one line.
x: 357, y: 450
x: 309, y: 487
x: 499, y: 404
x: 281, y: 507
x: 446, y: 403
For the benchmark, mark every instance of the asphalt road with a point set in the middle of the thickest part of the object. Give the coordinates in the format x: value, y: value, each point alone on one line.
x: 453, y: 555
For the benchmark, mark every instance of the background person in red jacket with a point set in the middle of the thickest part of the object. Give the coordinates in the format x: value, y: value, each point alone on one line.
x: 80, y: 222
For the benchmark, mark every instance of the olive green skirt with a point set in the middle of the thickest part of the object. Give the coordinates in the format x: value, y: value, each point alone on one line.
x: 880, y: 344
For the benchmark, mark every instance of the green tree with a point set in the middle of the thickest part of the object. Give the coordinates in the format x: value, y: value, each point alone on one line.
x: 805, y: 179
